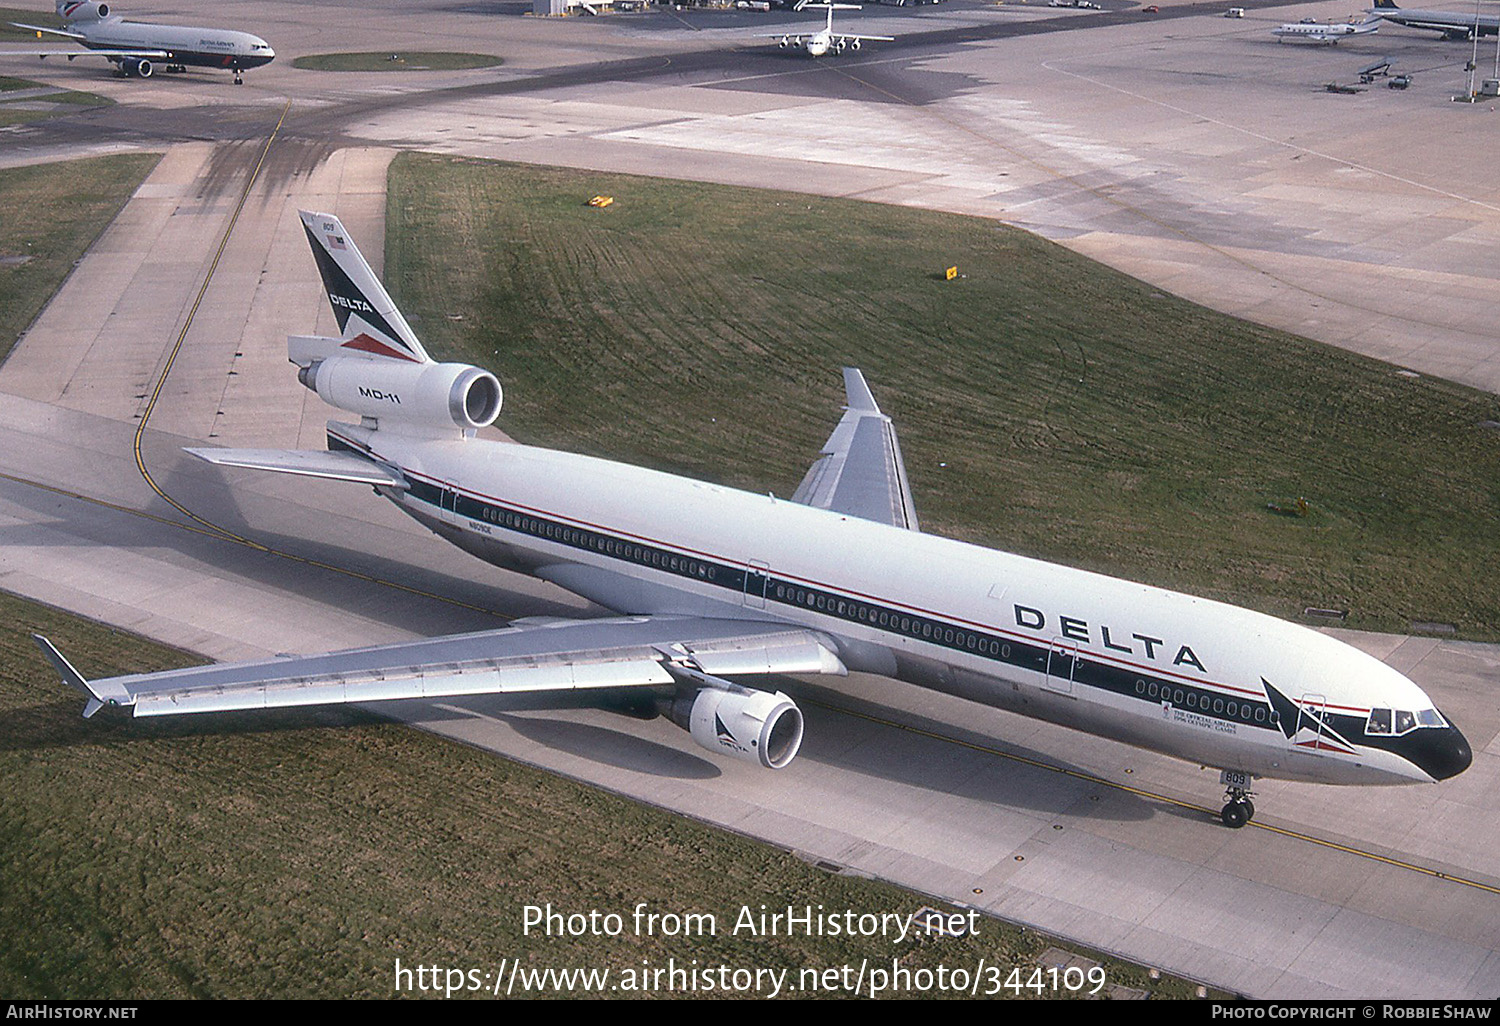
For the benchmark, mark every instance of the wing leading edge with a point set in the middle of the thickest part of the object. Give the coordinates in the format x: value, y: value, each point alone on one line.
x: 554, y: 656
x: 860, y: 472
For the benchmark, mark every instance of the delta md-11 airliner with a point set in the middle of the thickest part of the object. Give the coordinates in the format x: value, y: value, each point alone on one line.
x: 717, y: 589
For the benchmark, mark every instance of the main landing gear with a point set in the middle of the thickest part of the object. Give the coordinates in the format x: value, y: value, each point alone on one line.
x: 1238, y: 808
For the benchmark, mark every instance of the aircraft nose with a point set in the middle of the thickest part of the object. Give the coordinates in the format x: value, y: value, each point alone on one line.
x: 1443, y: 753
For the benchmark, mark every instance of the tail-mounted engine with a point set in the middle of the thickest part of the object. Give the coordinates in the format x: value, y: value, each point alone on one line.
x: 87, y: 11
x: 433, y: 395
x: 742, y: 723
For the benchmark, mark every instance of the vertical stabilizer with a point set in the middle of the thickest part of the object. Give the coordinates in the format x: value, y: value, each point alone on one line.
x: 366, y: 315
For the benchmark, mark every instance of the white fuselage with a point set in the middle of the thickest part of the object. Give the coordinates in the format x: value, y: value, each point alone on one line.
x: 200, y: 47
x: 1317, y: 33
x: 1194, y: 678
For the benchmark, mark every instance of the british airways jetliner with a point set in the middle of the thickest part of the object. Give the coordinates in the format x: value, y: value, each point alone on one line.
x: 135, y: 47
x: 718, y: 588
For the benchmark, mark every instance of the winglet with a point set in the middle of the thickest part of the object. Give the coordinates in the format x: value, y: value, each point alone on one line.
x: 75, y: 679
x: 859, y: 395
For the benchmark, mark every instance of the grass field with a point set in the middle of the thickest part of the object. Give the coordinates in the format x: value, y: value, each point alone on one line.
x: 41, y: 14
x: 1047, y: 405
x: 302, y: 854
x: 16, y: 109
x: 53, y: 213
x: 384, y: 61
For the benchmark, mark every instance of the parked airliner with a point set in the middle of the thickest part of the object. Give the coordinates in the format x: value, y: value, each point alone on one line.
x: 825, y: 39
x: 1325, y: 33
x: 135, y: 48
x: 1452, y: 24
x: 717, y: 587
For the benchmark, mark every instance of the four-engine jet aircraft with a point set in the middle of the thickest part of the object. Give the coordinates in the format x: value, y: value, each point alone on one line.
x: 1329, y: 33
x: 717, y: 586
x: 825, y: 39
x: 1452, y: 24
x: 137, y: 47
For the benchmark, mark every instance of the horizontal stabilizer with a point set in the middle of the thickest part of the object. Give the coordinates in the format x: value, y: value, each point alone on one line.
x: 335, y: 466
x: 52, y: 31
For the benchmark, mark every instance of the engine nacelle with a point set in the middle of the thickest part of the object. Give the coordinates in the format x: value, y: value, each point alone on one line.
x: 88, y: 11
x: 854, y: 44
x: 785, y: 42
x: 752, y: 726
x: 438, y: 395
x: 139, y: 65
x: 839, y: 46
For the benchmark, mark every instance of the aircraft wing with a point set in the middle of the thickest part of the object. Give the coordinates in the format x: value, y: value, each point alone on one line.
x: 876, y: 39
x: 860, y: 471
x: 70, y: 54
x: 558, y: 655
x: 337, y: 466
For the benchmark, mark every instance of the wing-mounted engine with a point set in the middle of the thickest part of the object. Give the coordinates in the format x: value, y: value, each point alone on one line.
x: 752, y: 726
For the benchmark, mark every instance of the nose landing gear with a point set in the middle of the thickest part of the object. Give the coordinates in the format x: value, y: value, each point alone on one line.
x: 1238, y: 808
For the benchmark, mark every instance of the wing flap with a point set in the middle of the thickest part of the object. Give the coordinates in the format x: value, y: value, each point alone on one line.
x: 558, y: 656
x: 860, y: 472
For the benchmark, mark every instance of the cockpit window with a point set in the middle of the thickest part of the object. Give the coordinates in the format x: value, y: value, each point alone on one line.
x: 1402, y: 721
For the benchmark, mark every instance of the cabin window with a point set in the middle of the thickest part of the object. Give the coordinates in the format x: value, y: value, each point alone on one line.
x: 1405, y: 721
x: 1430, y: 718
x: 1379, y: 722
